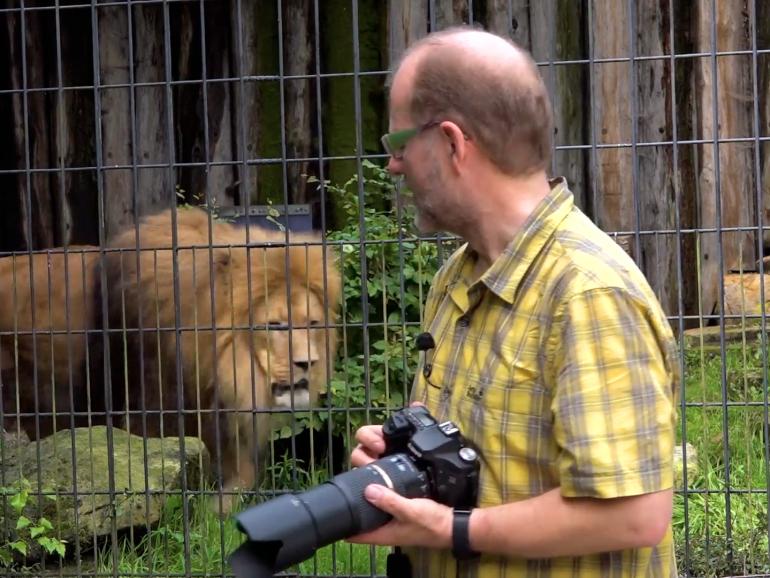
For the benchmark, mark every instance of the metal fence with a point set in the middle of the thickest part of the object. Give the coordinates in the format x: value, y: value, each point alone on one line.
x: 118, y: 110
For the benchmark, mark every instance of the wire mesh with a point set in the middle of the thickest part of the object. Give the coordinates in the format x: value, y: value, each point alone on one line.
x: 117, y: 110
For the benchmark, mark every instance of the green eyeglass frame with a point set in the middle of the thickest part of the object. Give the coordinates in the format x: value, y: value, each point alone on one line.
x: 394, y: 142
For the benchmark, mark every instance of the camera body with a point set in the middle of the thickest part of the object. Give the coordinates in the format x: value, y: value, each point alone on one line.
x: 422, y: 459
x: 450, y: 466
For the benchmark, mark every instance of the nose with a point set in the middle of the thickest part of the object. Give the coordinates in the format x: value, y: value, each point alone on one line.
x: 303, y: 365
x: 394, y: 166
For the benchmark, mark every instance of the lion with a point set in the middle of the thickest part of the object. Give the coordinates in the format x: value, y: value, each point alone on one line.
x: 214, y: 336
x: 50, y: 346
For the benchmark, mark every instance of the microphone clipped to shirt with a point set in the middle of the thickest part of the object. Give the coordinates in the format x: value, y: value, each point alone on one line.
x: 426, y: 344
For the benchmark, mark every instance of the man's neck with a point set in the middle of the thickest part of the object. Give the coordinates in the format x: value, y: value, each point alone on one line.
x: 509, y: 201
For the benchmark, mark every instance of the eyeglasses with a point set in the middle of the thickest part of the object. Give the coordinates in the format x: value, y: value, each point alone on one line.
x: 395, y: 142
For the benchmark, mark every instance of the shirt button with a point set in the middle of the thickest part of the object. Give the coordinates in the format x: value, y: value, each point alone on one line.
x: 463, y: 321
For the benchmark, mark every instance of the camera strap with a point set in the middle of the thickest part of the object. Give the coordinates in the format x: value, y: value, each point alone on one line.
x: 397, y: 565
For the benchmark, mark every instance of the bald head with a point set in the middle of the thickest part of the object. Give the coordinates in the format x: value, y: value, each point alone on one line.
x: 487, y: 85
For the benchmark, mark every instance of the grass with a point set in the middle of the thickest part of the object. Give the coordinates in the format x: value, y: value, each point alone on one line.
x: 169, y: 549
x: 720, y: 532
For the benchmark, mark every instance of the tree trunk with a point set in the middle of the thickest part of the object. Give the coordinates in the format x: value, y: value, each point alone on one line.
x: 449, y: 13
x: 30, y: 129
x: 512, y: 19
x: 297, y: 62
x: 728, y: 176
x: 613, y: 200
x: 215, y: 97
x: 567, y: 85
x: 656, y: 171
x: 115, y: 127
x: 341, y: 126
x: 245, y: 49
x: 155, y: 185
x: 762, y: 20
x: 407, y: 22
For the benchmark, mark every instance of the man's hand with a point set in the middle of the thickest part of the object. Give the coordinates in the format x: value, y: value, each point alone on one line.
x: 416, y: 522
x: 370, y: 445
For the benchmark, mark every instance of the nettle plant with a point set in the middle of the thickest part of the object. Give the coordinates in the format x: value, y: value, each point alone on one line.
x: 22, y: 531
x: 386, y: 273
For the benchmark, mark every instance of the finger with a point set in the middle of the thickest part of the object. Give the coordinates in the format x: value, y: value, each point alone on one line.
x: 388, y: 501
x: 382, y: 536
x: 360, y: 457
x: 416, y: 404
x: 370, y: 437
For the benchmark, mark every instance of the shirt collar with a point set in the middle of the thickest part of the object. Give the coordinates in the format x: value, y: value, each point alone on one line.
x: 505, y: 274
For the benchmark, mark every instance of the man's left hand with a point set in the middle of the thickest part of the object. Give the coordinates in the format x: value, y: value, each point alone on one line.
x: 416, y: 522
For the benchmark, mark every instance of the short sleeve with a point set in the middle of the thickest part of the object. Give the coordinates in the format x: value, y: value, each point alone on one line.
x: 614, y: 401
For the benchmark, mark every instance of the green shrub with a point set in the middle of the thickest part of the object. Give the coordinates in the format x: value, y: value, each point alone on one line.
x: 23, y: 532
x: 377, y: 356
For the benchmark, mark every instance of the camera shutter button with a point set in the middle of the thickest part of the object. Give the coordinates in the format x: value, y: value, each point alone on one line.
x: 468, y: 454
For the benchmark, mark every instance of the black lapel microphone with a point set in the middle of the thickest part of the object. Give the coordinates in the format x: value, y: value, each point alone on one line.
x: 426, y: 343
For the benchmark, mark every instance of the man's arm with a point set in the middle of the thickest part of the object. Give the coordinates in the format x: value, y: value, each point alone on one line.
x: 545, y: 526
x: 551, y: 525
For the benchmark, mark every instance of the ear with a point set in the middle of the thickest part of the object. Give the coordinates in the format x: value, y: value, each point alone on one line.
x: 456, y: 140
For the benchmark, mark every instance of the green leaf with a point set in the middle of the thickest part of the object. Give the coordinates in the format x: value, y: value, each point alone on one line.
x: 22, y: 522
x: 5, y: 557
x: 36, y: 531
x: 19, y: 501
x: 20, y: 546
x: 43, y: 522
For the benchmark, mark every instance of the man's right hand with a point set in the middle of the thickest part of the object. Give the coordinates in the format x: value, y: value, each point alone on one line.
x: 370, y: 445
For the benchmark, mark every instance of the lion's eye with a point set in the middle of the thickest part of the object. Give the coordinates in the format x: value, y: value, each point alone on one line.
x: 275, y: 323
x: 314, y: 323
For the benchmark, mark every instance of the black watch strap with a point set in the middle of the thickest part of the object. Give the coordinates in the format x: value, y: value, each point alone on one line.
x: 461, y: 544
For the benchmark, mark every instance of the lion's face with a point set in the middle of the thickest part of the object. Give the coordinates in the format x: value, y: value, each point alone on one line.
x: 293, y: 353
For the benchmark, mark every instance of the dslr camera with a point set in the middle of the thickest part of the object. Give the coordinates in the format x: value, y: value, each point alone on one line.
x: 422, y: 459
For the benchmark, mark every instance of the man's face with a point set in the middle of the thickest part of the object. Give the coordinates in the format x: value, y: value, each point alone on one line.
x: 417, y: 162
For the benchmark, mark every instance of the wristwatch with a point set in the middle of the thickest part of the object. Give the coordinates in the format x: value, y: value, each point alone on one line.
x: 461, y: 544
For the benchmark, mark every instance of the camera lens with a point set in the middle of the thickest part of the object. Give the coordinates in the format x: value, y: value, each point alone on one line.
x: 288, y: 529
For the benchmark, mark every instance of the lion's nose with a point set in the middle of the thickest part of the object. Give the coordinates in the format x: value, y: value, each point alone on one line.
x: 284, y: 387
x: 303, y: 365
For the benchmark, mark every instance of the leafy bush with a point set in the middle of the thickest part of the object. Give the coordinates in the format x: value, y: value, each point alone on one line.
x: 380, y: 318
x: 22, y: 531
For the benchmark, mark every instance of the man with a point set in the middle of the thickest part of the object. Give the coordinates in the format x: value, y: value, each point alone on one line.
x: 551, y: 353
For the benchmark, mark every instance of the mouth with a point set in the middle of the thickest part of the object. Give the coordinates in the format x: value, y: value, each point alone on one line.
x: 283, y: 392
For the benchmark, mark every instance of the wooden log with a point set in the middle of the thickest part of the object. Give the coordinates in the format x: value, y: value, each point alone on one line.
x: 449, y: 13
x: 116, y: 133
x: 611, y: 118
x: 566, y: 84
x: 220, y: 178
x: 407, y: 22
x: 154, y: 185
x: 73, y: 136
x: 297, y: 60
x: 30, y: 129
x: 762, y: 21
x: 656, y: 173
x: 245, y: 50
x: 734, y: 183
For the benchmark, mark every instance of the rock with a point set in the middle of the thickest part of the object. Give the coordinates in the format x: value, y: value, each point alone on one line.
x: 12, y: 446
x: 709, y: 337
x: 92, y: 510
x: 692, y: 464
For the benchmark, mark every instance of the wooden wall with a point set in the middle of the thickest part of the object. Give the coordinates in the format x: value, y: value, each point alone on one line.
x: 232, y: 101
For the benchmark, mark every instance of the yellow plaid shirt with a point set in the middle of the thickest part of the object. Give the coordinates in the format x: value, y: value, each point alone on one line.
x: 560, y: 365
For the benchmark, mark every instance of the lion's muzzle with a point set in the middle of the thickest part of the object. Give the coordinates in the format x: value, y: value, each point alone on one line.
x: 283, y: 392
